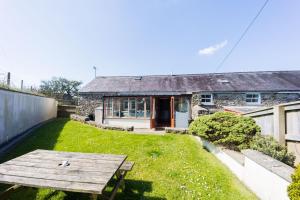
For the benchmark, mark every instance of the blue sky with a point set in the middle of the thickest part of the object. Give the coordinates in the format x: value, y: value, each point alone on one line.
x: 42, y: 39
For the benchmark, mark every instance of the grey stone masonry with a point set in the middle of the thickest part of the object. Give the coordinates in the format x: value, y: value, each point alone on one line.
x: 88, y: 103
x: 239, y: 99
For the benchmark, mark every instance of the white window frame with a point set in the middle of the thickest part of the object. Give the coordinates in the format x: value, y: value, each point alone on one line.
x: 119, y: 101
x: 253, y: 103
x: 211, y: 99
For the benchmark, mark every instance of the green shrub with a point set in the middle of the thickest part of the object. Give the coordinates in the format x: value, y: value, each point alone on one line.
x: 269, y: 146
x: 294, y: 187
x: 227, y: 129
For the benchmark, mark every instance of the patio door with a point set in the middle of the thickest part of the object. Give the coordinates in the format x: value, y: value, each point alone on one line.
x: 162, y: 112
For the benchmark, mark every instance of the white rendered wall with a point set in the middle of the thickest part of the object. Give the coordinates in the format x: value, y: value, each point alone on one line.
x: 236, y: 167
x: 265, y: 184
x: 19, y: 112
x: 136, y: 123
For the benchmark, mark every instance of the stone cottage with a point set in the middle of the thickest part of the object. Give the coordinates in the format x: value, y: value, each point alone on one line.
x: 156, y: 101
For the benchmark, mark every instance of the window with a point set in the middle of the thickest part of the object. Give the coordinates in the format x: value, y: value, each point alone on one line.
x: 181, y: 104
x: 206, y: 99
x: 253, y: 98
x: 116, y: 107
x: 133, y: 107
x: 108, y: 107
x: 147, y: 100
x: 124, y: 107
x: 140, y: 107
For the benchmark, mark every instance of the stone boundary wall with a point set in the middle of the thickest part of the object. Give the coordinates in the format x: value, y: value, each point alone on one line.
x: 20, y: 111
x: 266, y: 177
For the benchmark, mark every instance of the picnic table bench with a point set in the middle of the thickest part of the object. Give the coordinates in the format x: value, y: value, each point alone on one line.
x: 66, y: 171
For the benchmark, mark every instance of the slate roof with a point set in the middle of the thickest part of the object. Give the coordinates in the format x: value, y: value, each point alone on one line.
x: 263, y: 81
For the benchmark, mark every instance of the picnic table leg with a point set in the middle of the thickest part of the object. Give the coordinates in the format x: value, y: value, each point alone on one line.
x: 8, y: 191
x: 94, y: 196
x: 120, y: 183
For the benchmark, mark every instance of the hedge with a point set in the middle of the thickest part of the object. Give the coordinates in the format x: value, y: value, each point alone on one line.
x: 269, y: 146
x: 294, y: 187
x: 227, y: 129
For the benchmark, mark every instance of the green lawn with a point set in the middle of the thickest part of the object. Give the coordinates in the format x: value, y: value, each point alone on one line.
x: 167, y: 167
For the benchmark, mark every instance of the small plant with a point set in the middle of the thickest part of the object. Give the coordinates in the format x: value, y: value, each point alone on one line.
x: 294, y: 187
x: 269, y: 146
x: 227, y: 129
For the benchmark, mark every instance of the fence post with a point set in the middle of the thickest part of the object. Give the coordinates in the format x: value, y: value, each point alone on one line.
x: 8, y: 79
x: 279, y: 124
x: 21, y: 84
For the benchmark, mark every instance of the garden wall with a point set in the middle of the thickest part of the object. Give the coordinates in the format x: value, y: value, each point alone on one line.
x: 20, y: 111
x: 265, y: 176
x: 283, y: 123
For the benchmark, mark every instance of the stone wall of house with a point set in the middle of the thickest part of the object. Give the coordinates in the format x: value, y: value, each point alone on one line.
x: 87, y: 104
x: 238, y: 99
x: 271, y: 99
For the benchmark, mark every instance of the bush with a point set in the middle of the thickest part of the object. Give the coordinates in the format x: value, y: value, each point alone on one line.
x: 227, y: 129
x: 269, y: 146
x: 294, y: 187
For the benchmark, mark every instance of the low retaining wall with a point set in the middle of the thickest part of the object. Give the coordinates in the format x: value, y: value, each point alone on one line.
x: 19, y: 112
x: 65, y: 110
x: 266, y: 177
x: 177, y: 130
x: 98, y: 125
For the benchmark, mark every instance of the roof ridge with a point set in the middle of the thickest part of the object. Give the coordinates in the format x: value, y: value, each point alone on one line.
x: 195, y: 74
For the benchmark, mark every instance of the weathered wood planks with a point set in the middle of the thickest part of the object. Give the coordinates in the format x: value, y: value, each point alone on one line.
x: 127, y: 166
x: 86, y: 172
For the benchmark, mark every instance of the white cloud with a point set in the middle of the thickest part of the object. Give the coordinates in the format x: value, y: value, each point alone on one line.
x: 212, y: 49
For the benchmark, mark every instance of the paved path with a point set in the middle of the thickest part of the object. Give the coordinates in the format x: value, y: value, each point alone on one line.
x: 148, y: 131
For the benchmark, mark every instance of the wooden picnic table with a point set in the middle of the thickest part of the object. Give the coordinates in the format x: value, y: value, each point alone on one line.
x: 66, y: 171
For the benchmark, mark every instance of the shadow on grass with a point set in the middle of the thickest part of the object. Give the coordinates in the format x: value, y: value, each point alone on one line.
x: 44, y: 137
x: 134, y: 189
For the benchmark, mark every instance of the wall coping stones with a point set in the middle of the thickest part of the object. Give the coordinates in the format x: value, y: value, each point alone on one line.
x: 271, y: 164
x: 237, y: 156
x: 292, y: 137
x: 176, y: 130
x: 24, y: 92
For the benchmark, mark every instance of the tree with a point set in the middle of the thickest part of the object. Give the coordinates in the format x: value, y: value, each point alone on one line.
x: 60, y: 88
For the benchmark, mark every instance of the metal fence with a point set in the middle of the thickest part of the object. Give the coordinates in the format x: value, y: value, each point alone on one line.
x: 12, y: 82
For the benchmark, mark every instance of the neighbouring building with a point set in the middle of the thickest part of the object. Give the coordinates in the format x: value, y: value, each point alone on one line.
x: 173, y: 100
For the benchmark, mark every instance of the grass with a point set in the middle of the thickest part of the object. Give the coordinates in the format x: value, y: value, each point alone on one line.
x: 167, y: 167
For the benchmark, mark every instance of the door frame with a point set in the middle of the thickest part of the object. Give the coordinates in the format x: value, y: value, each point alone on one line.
x: 153, y: 102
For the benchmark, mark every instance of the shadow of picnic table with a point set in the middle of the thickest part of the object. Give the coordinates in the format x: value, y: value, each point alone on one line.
x: 135, y: 189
